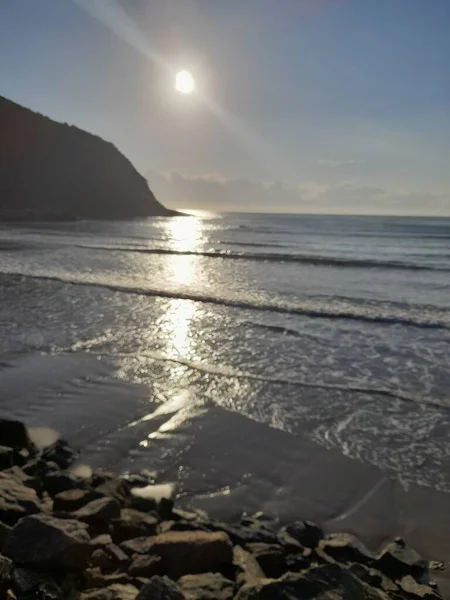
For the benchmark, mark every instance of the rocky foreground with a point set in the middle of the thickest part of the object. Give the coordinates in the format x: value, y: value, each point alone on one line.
x: 70, y: 533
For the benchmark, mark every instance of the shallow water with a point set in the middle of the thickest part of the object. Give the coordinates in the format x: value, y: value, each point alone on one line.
x: 332, y: 328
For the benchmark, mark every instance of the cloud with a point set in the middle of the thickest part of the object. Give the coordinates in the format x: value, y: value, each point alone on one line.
x: 213, y: 191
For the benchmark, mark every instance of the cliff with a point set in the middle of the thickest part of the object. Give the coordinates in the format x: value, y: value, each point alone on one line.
x: 53, y: 171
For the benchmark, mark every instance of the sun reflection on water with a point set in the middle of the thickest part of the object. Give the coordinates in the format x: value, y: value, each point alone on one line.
x: 185, y: 233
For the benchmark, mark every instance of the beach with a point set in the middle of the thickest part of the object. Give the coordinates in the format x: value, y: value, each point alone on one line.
x: 297, y: 366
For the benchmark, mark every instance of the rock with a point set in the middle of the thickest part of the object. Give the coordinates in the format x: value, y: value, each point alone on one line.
x: 160, y: 588
x: 6, y: 566
x: 417, y: 590
x: 270, y: 558
x: 306, y: 533
x: 42, y: 541
x: 72, y: 500
x: 288, y: 543
x: 94, y: 578
x: 398, y: 559
x: 55, y: 482
x: 374, y: 578
x: 297, y: 563
x: 37, y: 467
x: 110, y: 557
x: 98, y: 512
x: 115, y: 488
x: 244, y: 535
x: 5, y: 530
x: 6, y: 457
x: 60, y: 453
x: 247, y: 567
x: 143, y: 503
x: 165, y: 526
x: 16, y: 499
x: 165, y: 507
x: 145, y: 566
x: 326, y: 582
x: 185, y: 552
x: 15, y: 435
x: 132, y: 524
x: 141, y: 479
x: 116, y: 591
x: 101, y: 540
x: 42, y: 584
x: 345, y: 548
x: 206, y: 586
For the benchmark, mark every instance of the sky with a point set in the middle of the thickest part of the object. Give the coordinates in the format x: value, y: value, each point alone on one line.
x: 318, y: 106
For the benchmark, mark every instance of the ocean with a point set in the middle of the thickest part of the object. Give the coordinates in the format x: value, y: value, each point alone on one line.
x: 332, y: 329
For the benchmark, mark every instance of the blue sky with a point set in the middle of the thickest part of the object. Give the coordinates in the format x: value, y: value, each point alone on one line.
x: 302, y: 105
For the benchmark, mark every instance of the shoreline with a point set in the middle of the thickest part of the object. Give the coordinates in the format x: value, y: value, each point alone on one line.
x: 93, y: 533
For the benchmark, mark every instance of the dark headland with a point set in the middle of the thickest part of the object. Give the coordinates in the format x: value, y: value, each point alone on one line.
x: 54, y: 171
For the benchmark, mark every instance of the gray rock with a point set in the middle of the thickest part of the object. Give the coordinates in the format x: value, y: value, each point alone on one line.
x: 15, y: 435
x: 288, y: 543
x: 306, y: 533
x: 327, y: 582
x: 186, y: 552
x: 247, y: 567
x: 297, y: 562
x: 206, y: 586
x: 97, y: 512
x: 6, y: 457
x: 271, y: 559
x: 72, y: 500
x: 132, y: 524
x: 160, y: 588
x: 42, y: 541
x: 345, y: 548
x: 398, y: 559
x: 116, y: 591
x: 16, y: 499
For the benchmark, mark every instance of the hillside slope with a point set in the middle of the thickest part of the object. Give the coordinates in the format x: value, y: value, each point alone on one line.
x: 53, y: 171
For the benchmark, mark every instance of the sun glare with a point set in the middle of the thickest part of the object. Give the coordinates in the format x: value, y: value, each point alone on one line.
x: 184, y: 82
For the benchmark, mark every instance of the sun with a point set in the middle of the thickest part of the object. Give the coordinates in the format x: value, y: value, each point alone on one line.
x: 184, y: 82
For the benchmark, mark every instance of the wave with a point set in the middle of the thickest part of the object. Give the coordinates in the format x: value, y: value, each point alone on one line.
x: 326, y: 261
x: 368, y: 315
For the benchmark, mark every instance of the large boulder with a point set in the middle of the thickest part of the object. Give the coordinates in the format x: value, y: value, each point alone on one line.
x: 16, y: 498
x: 206, y: 586
x: 110, y: 557
x: 160, y: 588
x: 185, y: 552
x: 42, y: 541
